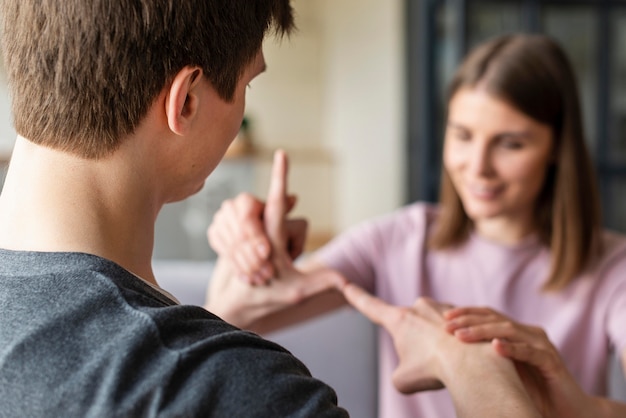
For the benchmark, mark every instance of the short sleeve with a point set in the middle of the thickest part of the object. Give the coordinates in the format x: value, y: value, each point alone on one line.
x: 364, y: 251
x: 221, y: 371
x: 353, y: 254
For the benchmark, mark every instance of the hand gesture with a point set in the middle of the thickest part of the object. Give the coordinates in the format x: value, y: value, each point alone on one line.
x: 428, y: 358
x: 416, y: 331
x: 243, y: 304
x: 238, y: 234
x: 525, y: 344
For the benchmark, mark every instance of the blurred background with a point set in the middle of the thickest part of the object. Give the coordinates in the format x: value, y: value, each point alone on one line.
x: 356, y: 98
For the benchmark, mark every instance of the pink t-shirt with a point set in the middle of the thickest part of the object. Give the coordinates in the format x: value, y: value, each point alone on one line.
x: 388, y: 257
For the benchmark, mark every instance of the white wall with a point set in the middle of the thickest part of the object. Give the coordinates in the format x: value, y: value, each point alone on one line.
x: 333, y: 97
x: 7, y: 133
x: 334, y: 91
x: 364, y: 112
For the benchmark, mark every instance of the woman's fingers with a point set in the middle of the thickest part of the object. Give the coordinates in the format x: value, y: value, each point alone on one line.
x: 484, y: 324
x: 276, y: 206
x: 543, y: 358
x: 467, y: 310
x: 491, y: 330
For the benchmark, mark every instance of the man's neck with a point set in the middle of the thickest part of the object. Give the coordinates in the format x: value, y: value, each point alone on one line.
x: 54, y: 201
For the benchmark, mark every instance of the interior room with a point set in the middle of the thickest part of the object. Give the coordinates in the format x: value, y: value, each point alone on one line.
x: 355, y: 98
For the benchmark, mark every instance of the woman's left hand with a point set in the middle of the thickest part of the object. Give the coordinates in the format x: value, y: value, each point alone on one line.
x: 525, y: 344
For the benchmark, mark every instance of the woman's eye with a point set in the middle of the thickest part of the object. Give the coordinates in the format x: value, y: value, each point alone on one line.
x: 508, y: 144
x: 463, y: 136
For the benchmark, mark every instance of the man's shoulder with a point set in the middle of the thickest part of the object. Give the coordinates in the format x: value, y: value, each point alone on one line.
x: 99, y: 341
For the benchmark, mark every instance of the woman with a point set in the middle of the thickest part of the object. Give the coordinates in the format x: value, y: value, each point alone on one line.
x: 516, y: 238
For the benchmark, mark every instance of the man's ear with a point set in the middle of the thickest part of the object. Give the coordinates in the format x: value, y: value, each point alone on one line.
x: 181, y: 101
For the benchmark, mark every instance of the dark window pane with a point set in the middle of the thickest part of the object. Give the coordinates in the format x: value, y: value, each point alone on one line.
x: 615, y: 204
x: 487, y: 19
x: 576, y: 28
x: 617, y: 105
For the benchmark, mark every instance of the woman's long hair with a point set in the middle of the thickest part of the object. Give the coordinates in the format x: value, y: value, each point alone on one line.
x: 533, y: 74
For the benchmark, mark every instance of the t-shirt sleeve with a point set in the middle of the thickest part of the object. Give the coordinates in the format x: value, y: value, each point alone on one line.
x: 365, y: 251
x: 354, y: 254
x: 239, y: 374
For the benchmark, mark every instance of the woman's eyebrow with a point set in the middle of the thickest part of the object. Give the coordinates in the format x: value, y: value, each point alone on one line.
x: 455, y: 125
x: 523, y: 134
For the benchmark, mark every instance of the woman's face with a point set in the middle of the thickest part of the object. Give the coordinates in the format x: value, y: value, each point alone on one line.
x: 496, y: 157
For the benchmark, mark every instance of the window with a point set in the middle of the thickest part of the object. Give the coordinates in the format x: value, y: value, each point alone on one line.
x: 592, y: 32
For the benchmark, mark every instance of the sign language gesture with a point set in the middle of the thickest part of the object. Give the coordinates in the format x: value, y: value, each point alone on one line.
x: 527, y: 344
x: 481, y: 382
x: 243, y: 303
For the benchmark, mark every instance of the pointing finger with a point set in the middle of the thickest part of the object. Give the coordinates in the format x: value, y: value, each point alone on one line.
x: 375, y: 309
x: 276, y: 206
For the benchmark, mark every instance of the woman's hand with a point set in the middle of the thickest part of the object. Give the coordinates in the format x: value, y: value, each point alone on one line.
x: 242, y: 303
x: 481, y: 382
x: 525, y: 344
x: 238, y: 234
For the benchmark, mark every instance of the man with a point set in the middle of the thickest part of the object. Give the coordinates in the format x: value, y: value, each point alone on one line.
x: 121, y: 107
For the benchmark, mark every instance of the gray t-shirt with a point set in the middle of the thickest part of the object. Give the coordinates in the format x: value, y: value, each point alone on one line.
x: 82, y: 337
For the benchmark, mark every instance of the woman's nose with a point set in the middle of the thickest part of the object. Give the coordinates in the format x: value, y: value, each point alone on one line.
x: 480, y: 160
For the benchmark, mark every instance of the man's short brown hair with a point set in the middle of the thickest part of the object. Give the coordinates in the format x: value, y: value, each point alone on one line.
x: 82, y: 74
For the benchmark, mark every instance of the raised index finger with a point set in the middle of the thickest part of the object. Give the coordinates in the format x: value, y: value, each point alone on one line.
x: 375, y: 309
x: 276, y: 206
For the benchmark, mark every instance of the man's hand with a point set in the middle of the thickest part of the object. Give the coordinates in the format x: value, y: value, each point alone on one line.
x: 416, y: 332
